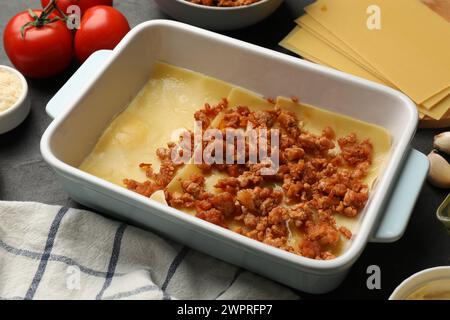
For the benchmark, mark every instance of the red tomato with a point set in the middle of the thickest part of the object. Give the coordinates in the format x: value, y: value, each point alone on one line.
x: 83, y: 4
x: 43, y: 51
x: 101, y: 27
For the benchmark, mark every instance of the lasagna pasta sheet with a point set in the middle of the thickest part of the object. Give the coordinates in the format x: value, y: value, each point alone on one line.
x: 165, y: 104
x: 304, y: 43
x: 399, y: 30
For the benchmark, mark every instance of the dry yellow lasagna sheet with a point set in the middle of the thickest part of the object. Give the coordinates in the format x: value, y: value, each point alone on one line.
x: 168, y: 102
x: 313, y: 48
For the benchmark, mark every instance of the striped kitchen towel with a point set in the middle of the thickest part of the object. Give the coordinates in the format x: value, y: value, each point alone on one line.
x: 51, y: 252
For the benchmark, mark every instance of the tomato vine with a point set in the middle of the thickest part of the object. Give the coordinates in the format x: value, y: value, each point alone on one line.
x: 44, y: 18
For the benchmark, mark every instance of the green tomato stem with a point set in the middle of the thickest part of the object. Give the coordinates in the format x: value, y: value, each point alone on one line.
x: 42, y: 19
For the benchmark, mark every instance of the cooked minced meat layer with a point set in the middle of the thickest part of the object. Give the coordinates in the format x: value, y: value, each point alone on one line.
x: 224, y: 3
x: 315, y: 182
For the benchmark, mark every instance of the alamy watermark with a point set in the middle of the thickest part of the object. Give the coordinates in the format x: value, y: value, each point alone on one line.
x: 73, y: 280
x: 374, y: 19
x: 73, y: 17
x: 374, y: 280
x: 229, y: 146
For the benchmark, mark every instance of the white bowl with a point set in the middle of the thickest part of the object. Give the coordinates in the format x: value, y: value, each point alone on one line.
x: 12, y: 117
x: 432, y: 278
x: 219, y: 18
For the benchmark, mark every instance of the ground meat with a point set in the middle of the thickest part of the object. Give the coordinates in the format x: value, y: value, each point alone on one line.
x: 194, y: 185
x: 271, y: 202
x: 328, y: 133
x: 271, y: 101
x: 224, y: 3
x: 278, y: 215
x: 299, y: 214
x: 180, y: 200
x: 235, y: 118
x: 228, y: 184
x: 166, y: 173
x: 322, y: 232
x: 146, y: 188
x: 234, y: 170
x: 259, y: 200
x: 212, y: 215
x: 353, y: 202
x: 327, y: 255
x: 289, y: 123
x: 249, y: 179
x: 232, y: 120
x: 246, y: 199
x: 345, y: 232
x: 355, y: 152
x: 159, y: 180
x: 225, y: 203
x: 209, y: 112
x: 162, y: 154
x: 310, y: 249
x: 262, y: 119
x: 315, y: 182
x: 250, y: 220
x: 293, y: 154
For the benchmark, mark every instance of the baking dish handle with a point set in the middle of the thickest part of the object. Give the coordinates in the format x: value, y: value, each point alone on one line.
x: 403, y: 198
x: 76, y: 84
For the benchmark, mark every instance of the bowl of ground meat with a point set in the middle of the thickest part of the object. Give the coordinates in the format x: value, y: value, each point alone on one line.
x: 219, y: 14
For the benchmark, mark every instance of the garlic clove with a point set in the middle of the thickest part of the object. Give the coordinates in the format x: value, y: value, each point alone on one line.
x: 439, y: 172
x: 442, y: 142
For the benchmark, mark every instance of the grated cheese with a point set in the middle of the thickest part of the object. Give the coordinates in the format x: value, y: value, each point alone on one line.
x: 10, y: 89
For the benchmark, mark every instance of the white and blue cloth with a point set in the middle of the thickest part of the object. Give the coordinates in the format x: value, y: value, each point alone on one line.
x: 51, y: 252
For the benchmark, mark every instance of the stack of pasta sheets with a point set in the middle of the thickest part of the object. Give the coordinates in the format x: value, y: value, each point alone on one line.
x: 399, y: 43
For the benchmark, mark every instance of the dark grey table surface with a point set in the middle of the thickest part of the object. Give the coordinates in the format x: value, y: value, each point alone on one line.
x: 24, y: 176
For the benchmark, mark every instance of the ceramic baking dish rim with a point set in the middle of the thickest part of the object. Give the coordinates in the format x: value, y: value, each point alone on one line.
x: 368, y: 223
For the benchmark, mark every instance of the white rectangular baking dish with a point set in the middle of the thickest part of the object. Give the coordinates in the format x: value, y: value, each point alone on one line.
x: 109, y: 80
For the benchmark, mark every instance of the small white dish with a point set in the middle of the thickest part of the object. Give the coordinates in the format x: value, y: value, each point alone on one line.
x: 16, y: 114
x: 427, y: 281
x: 219, y: 18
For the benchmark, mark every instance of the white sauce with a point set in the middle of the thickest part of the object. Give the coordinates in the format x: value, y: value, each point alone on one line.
x: 10, y: 89
x: 435, y: 290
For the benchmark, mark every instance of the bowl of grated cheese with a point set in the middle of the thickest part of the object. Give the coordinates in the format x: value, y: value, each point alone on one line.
x: 14, y: 101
